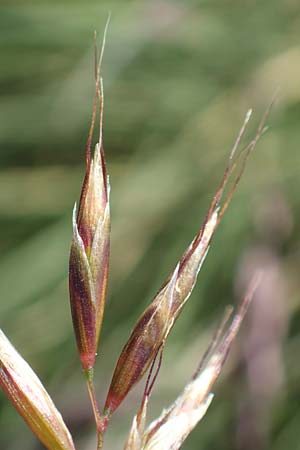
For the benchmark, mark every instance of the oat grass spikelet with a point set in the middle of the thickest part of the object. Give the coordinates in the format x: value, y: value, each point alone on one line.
x: 148, y: 337
x: 89, y: 256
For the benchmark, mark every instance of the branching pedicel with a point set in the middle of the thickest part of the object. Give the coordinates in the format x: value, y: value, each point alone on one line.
x: 88, y: 275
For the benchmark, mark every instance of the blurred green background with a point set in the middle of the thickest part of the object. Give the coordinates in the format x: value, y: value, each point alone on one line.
x: 179, y: 77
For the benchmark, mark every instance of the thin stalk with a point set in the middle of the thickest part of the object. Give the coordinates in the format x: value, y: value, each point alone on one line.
x: 89, y: 376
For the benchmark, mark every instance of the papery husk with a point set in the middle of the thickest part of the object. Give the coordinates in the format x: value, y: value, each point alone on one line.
x: 31, y: 400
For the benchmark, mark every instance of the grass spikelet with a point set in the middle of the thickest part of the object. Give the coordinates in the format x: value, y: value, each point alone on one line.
x: 152, y: 328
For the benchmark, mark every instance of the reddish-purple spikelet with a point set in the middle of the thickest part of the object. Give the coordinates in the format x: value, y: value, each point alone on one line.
x: 153, y: 327
x: 90, y: 248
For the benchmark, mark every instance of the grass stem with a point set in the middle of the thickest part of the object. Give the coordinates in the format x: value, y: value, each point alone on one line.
x: 89, y: 374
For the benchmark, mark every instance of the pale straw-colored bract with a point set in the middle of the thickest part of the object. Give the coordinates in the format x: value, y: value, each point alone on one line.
x: 26, y: 392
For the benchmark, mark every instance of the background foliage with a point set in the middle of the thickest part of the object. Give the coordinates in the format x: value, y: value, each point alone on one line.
x: 179, y: 77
